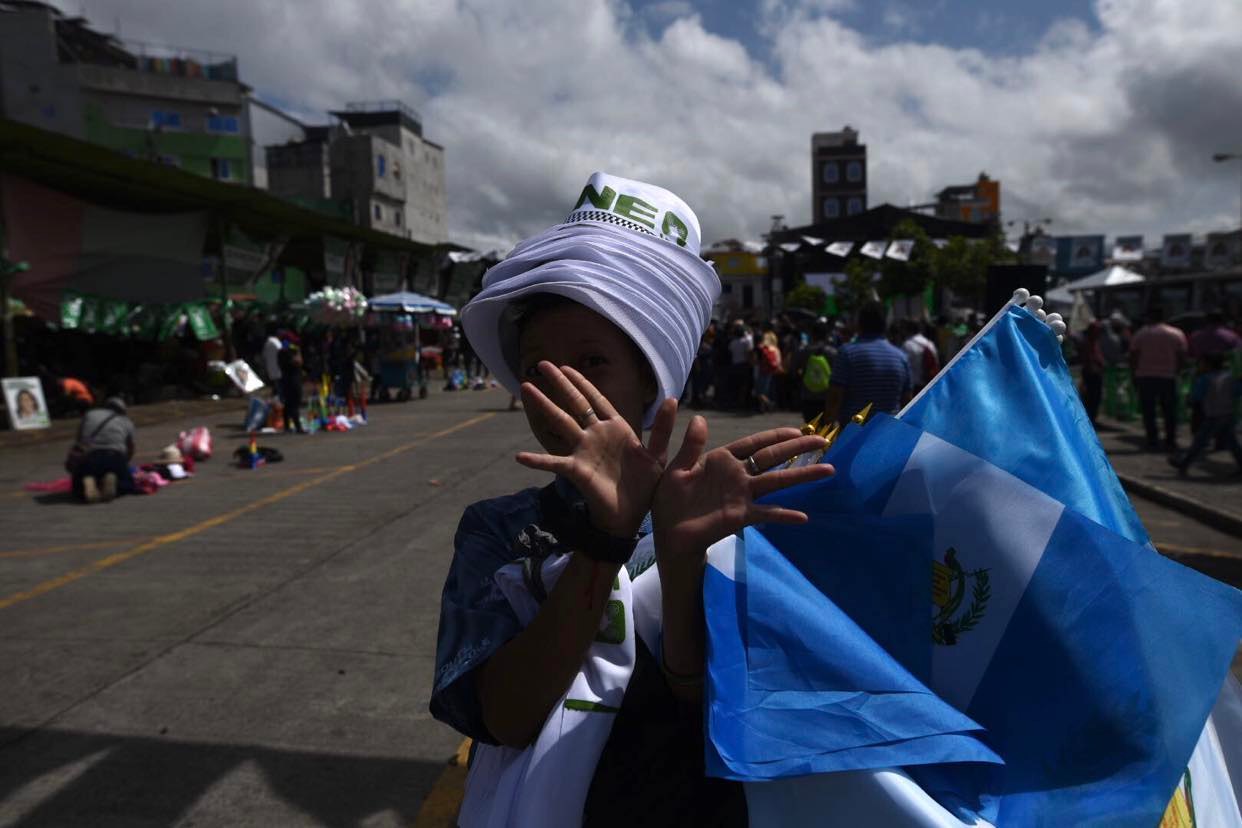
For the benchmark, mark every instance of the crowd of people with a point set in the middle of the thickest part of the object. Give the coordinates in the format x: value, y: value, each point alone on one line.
x: 822, y: 367
x: 1161, y: 362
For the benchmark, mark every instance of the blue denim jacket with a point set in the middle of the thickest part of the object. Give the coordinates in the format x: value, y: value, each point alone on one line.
x: 475, y: 617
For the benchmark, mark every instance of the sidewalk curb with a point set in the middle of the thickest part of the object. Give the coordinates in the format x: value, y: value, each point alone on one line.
x: 1227, y: 522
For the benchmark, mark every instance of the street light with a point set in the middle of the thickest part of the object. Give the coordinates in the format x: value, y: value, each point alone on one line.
x: 1230, y: 156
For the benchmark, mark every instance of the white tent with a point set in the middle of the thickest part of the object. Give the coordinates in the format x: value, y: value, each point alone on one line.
x: 1115, y: 275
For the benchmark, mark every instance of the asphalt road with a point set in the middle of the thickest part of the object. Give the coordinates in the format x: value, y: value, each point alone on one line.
x: 256, y: 647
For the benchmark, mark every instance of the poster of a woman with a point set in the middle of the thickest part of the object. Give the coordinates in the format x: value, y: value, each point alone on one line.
x: 23, y: 396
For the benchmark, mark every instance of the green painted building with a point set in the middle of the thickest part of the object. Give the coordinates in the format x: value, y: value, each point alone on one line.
x: 179, y: 107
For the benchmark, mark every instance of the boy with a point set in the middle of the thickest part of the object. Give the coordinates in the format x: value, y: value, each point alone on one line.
x: 571, y: 630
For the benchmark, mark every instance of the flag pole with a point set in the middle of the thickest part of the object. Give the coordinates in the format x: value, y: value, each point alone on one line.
x: 1020, y: 296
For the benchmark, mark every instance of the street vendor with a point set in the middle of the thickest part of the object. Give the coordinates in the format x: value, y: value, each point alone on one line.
x: 571, y: 641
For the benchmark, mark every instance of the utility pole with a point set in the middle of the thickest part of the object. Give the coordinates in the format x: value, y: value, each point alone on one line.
x: 769, y: 278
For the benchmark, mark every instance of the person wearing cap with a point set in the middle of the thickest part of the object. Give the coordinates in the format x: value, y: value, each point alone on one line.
x: 106, y: 435
x: 571, y: 639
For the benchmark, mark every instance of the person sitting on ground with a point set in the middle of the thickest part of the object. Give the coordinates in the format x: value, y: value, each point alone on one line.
x: 106, y: 434
x: 868, y: 371
x: 571, y: 651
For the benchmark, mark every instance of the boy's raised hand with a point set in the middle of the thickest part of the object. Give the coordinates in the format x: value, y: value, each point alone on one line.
x: 606, y: 460
x: 703, y: 498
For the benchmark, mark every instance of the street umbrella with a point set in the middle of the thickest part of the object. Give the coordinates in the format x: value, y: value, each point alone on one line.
x: 410, y: 302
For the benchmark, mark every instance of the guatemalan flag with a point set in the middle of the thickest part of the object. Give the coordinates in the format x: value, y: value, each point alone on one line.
x: 973, y: 626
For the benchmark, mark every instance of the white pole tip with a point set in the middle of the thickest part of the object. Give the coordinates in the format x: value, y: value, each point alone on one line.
x: 1021, y: 295
x: 1034, y: 303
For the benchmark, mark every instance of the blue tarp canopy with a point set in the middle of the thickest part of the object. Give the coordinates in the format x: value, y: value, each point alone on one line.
x: 409, y: 302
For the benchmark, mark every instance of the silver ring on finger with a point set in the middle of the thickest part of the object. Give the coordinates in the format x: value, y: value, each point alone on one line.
x: 585, y: 418
x: 751, y: 465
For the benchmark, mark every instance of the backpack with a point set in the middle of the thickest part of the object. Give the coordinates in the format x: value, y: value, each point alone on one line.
x: 817, y: 373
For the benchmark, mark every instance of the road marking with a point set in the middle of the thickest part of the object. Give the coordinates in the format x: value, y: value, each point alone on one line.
x: 70, y: 547
x: 198, y: 528
x: 439, y: 809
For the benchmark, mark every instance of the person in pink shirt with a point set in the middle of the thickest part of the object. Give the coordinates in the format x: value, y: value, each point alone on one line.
x: 1157, y: 353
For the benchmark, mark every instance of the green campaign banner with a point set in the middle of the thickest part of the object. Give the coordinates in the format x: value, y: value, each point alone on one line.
x: 70, y: 311
x: 88, y: 319
x: 111, y: 316
x: 201, y: 323
x: 171, y: 323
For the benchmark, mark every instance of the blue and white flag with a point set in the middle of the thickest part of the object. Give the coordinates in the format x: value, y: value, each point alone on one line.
x: 1083, y: 660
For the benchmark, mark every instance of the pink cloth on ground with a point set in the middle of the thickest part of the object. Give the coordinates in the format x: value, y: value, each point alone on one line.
x: 63, y: 484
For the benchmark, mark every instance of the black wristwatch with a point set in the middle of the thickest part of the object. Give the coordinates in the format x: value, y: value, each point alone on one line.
x: 571, y: 524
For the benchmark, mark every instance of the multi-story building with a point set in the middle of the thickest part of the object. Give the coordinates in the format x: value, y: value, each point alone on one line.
x: 838, y: 175
x: 742, y: 269
x: 269, y: 125
x: 174, y: 106
x: 979, y: 202
x: 375, y: 158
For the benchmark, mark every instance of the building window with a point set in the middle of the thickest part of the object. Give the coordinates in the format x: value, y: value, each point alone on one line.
x: 854, y: 206
x: 831, y: 173
x: 379, y: 213
x: 748, y: 296
x: 832, y: 208
x: 223, y: 123
x: 396, y: 216
x: 221, y: 170
x: 379, y: 166
x: 726, y: 288
x: 396, y: 170
x: 854, y: 171
x: 166, y: 119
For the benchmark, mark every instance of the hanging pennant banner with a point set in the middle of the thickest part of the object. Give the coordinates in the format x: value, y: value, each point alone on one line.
x: 841, y: 248
x: 1176, y: 250
x: 901, y: 249
x: 812, y: 241
x: 874, y: 249
x: 170, y: 325
x: 70, y: 311
x: 1221, y: 250
x: 111, y: 316
x: 1128, y: 249
x: 790, y: 247
x: 201, y: 323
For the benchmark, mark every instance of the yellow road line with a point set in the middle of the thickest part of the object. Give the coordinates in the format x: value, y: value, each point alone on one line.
x: 211, y: 523
x: 439, y: 809
x: 70, y: 547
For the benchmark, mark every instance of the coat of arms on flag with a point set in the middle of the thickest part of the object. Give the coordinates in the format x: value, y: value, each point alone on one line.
x: 950, y: 583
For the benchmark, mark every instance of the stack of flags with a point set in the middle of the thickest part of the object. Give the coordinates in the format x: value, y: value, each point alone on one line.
x: 973, y: 628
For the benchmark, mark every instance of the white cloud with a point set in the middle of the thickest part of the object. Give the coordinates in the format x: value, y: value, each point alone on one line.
x: 1106, y: 129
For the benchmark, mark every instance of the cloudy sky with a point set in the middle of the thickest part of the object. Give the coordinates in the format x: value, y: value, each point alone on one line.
x: 1100, y: 115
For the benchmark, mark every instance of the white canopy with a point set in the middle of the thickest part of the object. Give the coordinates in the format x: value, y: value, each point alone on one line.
x: 1115, y: 275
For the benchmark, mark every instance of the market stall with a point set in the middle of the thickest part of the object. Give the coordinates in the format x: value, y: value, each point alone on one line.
x: 401, y: 320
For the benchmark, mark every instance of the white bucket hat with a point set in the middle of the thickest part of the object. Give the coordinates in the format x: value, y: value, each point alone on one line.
x: 628, y: 251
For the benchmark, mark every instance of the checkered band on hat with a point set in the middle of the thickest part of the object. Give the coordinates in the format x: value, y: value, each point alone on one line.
x: 610, y: 218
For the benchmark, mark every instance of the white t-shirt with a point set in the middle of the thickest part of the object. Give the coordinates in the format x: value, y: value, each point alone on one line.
x: 271, y: 358
x: 914, y: 355
x: 740, y: 348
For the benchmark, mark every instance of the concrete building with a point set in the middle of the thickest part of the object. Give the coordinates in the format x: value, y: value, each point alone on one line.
x: 173, y: 106
x: 979, y: 202
x: 269, y: 125
x: 374, y: 159
x: 742, y: 268
x: 838, y: 175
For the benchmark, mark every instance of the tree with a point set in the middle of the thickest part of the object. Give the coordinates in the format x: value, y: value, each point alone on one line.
x: 858, y: 287
x: 898, y: 278
x: 962, y: 265
x: 806, y: 296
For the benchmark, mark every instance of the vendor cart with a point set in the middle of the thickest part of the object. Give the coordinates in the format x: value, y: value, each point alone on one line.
x: 401, y: 356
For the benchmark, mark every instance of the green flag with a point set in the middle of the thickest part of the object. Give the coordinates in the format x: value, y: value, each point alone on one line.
x: 201, y: 323
x: 88, y: 318
x: 171, y: 323
x: 111, y: 316
x: 70, y: 311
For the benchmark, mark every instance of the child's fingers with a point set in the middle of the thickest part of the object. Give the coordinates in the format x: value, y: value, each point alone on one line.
x: 544, y: 462
x: 691, y: 444
x: 598, y: 402
x: 774, y: 514
x: 561, y: 423
x: 748, y: 446
x: 772, y: 456
x: 774, y: 481
x: 564, y: 394
x: 662, y: 430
